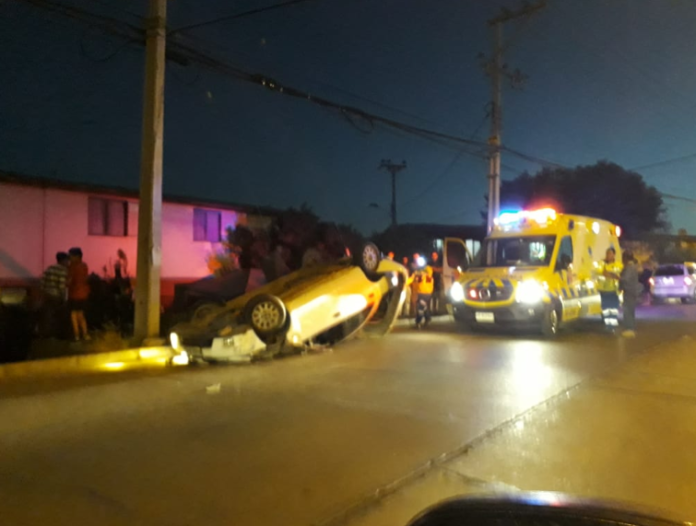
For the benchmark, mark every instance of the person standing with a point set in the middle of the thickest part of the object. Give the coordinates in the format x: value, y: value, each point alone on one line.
x: 54, y: 284
x: 424, y: 287
x: 438, y: 290
x: 406, y: 309
x: 608, y: 286
x: 78, y: 293
x: 632, y: 289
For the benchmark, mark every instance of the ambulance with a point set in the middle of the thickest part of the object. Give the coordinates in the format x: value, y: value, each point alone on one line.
x: 536, y: 269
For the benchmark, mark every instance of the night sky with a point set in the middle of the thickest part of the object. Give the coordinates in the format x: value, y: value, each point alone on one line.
x: 608, y: 79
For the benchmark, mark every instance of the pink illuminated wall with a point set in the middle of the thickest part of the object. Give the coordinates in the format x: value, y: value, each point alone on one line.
x: 35, y: 223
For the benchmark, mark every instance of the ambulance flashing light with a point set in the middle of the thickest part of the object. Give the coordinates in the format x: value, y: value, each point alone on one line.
x: 541, y: 217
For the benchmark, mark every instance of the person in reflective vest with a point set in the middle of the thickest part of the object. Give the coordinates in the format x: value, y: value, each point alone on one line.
x: 608, y: 286
x: 424, y: 284
x: 632, y: 289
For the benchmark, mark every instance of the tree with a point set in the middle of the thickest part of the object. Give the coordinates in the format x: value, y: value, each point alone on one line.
x: 604, y: 190
x: 296, y: 228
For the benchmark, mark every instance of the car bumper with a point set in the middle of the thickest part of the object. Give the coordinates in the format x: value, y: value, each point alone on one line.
x: 511, y: 315
x: 241, y: 347
x: 673, y: 292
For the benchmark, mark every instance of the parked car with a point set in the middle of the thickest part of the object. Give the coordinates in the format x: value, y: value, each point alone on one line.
x: 323, y: 304
x: 674, y: 281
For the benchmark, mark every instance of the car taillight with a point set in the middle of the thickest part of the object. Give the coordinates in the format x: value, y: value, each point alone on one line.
x: 472, y: 294
x: 687, y: 281
x: 651, y: 281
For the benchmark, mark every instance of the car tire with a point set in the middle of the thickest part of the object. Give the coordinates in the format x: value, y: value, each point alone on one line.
x: 267, y: 316
x: 656, y: 301
x: 690, y: 299
x: 368, y: 258
x: 550, y: 323
x: 203, y: 310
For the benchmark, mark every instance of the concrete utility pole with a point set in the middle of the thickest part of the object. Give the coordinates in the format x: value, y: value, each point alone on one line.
x: 147, y: 288
x: 497, y: 70
x: 393, y: 169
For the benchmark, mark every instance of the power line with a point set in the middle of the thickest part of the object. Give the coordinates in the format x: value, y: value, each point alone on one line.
x: 436, y: 181
x: 533, y: 159
x: 665, y: 162
x: 677, y: 198
x: 110, y: 5
x: 108, y: 24
x: 236, y: 16
x: 185, y: 54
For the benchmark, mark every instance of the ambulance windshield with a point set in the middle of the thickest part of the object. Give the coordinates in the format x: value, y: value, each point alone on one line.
x: 522, y: 251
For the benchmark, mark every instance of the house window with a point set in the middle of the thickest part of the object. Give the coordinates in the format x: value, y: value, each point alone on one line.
x: 206, y: 225
x: 107, y: 217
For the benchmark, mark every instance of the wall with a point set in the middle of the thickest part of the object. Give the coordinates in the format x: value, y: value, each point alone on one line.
x: 67, y: 226
x: 182, y: 257
x: 21, y: 231
x: 35, y: 223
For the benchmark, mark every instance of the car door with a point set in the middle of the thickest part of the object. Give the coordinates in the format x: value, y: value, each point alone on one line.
x: 456, y: 259
x: 569, y: 292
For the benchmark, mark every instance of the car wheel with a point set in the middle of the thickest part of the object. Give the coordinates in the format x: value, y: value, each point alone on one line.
x: 267, y: 315
x: 203, y: 310
x: 656, y: 301
x: 369, y: 257
x: 549, y: 325
x: 690, y: 299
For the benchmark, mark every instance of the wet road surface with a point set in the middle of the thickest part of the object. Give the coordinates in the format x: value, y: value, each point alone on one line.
x: 295, y: 441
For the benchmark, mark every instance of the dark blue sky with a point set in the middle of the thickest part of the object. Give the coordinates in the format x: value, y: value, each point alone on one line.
x: 608, y: 79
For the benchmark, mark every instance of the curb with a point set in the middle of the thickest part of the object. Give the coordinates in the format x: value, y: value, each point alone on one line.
x: 107, y: 361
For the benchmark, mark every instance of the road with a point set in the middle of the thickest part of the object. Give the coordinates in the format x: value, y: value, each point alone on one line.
x: 294, y: 441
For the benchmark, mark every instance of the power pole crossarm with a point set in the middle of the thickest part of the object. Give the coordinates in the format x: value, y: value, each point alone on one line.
x: 393, y: 169
x: 147, y: 286
x: 506, y: 15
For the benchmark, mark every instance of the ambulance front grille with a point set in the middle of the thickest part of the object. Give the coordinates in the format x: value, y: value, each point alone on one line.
x: 492, y: 293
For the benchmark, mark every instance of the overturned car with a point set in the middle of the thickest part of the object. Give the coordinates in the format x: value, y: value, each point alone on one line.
x: 312, y: 306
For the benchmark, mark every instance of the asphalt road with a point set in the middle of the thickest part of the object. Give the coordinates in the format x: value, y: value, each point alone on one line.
x: 294, y: 441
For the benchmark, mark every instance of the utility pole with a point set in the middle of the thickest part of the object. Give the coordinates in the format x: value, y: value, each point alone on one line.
x: 147, y: 288
x: 497, y: 69
x: 393, y: 169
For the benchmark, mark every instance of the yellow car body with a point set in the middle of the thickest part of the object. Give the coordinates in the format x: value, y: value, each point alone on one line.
x: 340, y: 297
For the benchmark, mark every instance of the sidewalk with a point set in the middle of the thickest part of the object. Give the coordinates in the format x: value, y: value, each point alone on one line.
x: 628, y: 435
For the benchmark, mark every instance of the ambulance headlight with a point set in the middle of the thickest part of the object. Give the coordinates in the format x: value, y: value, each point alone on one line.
x: 529, y: 292
x: 457, y: 292
x: 175, y: 341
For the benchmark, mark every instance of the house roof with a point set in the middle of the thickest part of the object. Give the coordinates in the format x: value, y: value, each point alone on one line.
x: 44, y: 182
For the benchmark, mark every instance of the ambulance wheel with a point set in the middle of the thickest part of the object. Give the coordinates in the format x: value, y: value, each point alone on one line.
x: 550, y: 322
x: 267, y: 315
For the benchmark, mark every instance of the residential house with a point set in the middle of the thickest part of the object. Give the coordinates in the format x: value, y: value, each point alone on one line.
x: 39, y: 217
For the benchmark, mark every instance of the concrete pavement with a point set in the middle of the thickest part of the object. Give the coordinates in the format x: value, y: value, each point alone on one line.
x: 625, y: 436
x: 306, y: 440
